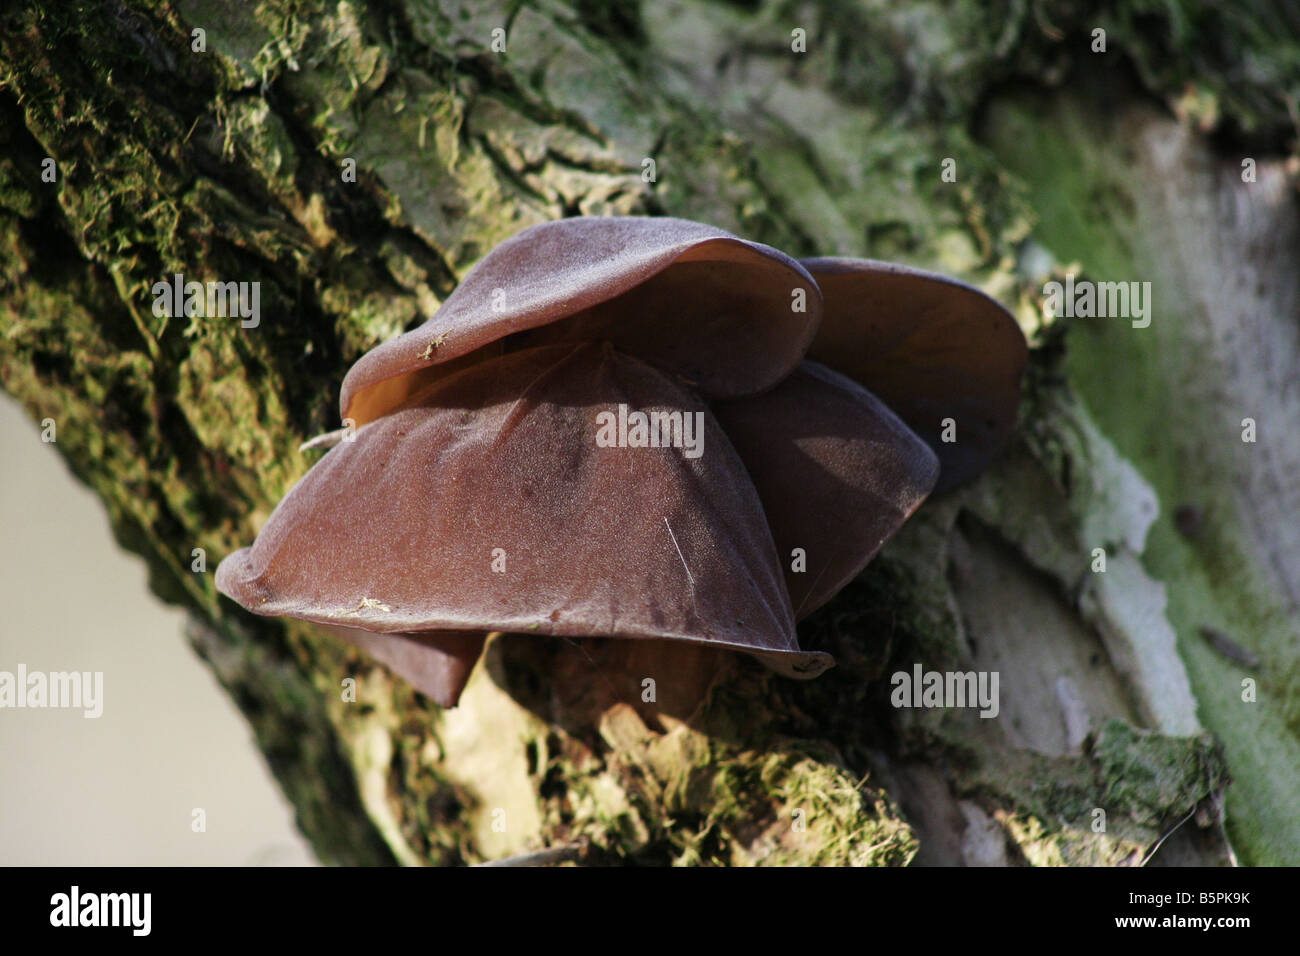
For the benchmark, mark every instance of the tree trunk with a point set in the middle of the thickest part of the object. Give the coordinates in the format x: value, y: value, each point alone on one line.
x: 217, y: 140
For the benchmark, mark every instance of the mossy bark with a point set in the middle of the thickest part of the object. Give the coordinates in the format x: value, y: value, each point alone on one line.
x: 230, y: 163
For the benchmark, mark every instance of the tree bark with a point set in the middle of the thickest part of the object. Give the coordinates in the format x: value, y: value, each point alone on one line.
x: 216, y: 139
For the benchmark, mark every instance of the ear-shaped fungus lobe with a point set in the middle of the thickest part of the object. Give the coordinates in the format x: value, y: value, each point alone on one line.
x: 931, y: 348
x: 730, y: 316
x: 838, y: 473
x: 436, y: 663
x: 490, y: 506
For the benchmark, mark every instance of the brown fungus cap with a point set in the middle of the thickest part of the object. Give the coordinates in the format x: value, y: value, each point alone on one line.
x: 397, y: 531
x: 930, y: 348
x: 728, y: 316
x: 838, y: 473
x: 436, y: 663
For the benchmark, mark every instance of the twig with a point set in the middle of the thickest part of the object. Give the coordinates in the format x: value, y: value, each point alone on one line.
x: 547, y: 857
x: 327, y: 440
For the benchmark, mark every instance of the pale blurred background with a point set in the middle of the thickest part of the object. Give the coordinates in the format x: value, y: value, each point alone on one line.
x: 120, y: 789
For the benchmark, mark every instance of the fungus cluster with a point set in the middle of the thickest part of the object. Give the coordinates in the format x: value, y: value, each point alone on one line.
x: 486, y: 488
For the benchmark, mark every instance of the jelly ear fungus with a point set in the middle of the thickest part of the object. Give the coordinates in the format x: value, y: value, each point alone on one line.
x: 931, y: 348
x: 395, y: 532
x: 727, y: 316
x: 478, y: 496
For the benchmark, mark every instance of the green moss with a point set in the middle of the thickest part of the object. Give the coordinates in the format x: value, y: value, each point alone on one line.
x: 1145, y: 389
x: 1151, y: 777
